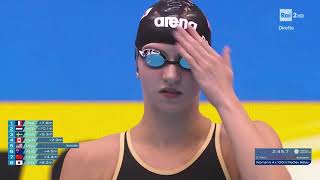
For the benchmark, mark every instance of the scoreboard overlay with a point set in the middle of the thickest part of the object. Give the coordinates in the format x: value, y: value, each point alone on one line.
x: 31, y: 142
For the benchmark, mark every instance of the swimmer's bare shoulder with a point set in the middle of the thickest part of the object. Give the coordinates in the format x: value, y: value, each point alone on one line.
x: 92, y: 160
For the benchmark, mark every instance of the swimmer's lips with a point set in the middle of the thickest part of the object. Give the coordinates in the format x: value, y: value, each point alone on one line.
x: 170, y: 90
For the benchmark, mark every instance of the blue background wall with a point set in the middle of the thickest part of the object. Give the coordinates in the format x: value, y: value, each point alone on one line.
x: 84, y: 50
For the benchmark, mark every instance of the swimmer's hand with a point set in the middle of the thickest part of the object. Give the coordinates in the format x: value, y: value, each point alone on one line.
x: 213, y: 72
x: 214, y: 75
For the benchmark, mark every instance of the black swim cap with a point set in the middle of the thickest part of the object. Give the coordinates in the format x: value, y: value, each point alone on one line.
x: 158, y: 22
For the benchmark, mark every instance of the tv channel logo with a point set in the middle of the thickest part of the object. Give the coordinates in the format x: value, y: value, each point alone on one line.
x: 285, y: 14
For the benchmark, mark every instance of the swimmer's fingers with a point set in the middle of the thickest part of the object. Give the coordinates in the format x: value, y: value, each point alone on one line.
x: 202, y: 41
x: 184, y: 49
x: 193, y: 47
x: 225, y: 58
x: 186, y: 55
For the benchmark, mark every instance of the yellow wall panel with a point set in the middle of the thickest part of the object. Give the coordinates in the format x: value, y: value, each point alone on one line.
x: 79, y: 121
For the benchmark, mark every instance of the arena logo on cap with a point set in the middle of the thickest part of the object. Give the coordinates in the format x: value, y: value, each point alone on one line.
x: 174, y: 22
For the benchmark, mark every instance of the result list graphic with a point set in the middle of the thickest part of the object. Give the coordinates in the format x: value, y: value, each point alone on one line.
x: 31, y: 142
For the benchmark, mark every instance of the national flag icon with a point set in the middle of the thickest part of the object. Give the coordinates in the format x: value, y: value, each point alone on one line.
x: 19, y: 128
x: 19, y: 123
x: 19, y: 140
x: 19, y: 151
x: 19, y: 145
x: 19, y: 157
x: 19, y: 134
x: 19, y: 162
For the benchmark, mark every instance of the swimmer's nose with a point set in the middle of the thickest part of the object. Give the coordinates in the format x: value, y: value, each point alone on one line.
x: 172, y: 74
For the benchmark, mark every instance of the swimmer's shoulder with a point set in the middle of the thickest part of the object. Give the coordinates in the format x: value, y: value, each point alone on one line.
x: 92, y: 160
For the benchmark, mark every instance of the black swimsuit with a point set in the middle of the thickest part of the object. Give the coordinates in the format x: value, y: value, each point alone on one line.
x: 206, y: 164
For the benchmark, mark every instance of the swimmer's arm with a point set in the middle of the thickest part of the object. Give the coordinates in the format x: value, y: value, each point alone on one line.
x: 246, y: 135
x: 93, y: 160
x: 74, y: 166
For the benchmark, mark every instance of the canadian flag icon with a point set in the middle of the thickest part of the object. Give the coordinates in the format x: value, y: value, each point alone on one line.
x: 19, y: 140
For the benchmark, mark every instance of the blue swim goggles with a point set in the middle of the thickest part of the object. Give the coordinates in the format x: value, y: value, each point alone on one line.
x: 155, y: 59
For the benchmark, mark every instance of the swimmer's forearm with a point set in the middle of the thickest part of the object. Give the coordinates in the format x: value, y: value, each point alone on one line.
x: 245, y: 137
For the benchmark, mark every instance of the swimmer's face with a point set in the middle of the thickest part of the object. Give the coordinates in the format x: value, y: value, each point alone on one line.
x: 169, y: 88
